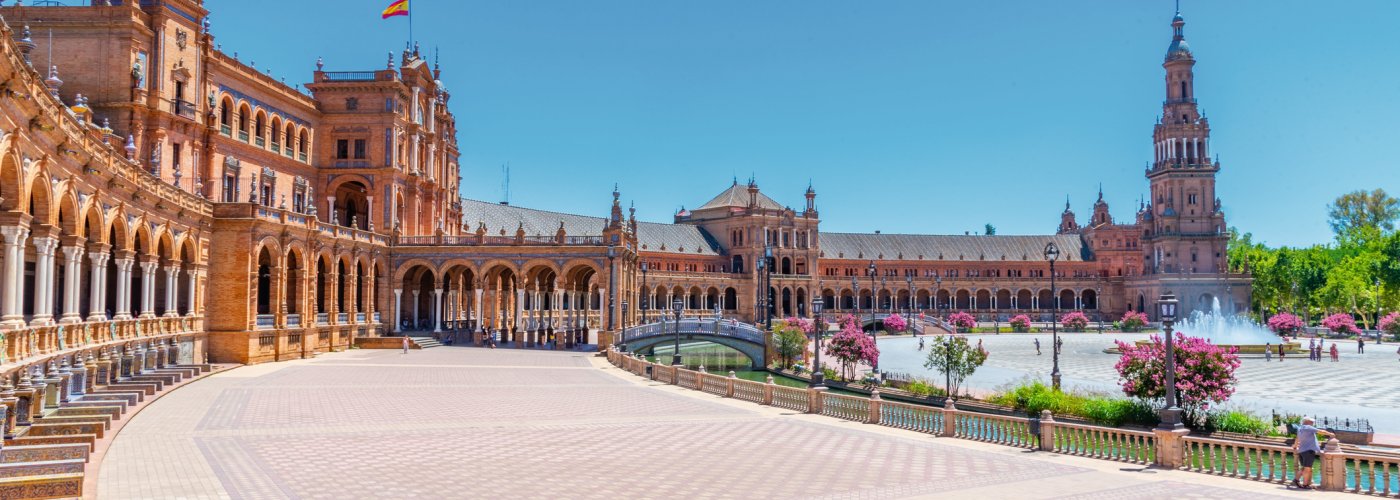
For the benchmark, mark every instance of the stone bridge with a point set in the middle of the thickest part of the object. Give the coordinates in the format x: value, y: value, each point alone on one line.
x: 742, y: 337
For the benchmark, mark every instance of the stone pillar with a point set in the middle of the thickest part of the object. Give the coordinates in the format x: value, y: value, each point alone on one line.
x: 92, y: 373
x: 1047, y: 431
x: 8, y: 402
x: 97, y: 294
x: 1170, y: 447
x: 874, y: 416
x: 53, y: 394
x: 126, y: 360
x: 1334, y: 467
x: 398, y: 307
x: 72, y: 283
x: 65, y: 374
x: 43, y: 280
x: 519, y: 304
x: 172, y: 305
x: 123, y: 290
x: 12, y: 284
x: 814, y: 399
x: 25, y: 393
x: 437, y: 310
x: 476, y: 306
x: 78, y: 386
x: 950, y: 418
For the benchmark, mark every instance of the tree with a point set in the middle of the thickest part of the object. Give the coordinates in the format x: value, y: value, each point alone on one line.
x: 962, y: 321
x: 851, y: 346
x: 895, y: 323
x: 1359, y: 209
x: 789, y: 340
x: 1074, y: 321
x: 1205, y: 373
x: 1285, y: 324
x: 990, y: 230
x: 1134, y: 321
x: 953, y: 356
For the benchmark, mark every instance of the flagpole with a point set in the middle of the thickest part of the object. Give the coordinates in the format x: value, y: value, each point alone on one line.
x: 410, y: 22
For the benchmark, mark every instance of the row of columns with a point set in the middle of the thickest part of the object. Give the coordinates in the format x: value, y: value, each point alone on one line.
x: 1193, y: 148
x: 13, y: 239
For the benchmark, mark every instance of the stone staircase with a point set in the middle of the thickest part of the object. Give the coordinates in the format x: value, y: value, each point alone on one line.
x: 60, y: 412
x: 425, y: 342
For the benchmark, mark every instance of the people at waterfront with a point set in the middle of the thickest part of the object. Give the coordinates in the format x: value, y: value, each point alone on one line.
x: 921, y: 344
x: 1334, y: 352
x: 1281, y: 352
x: 1268, y: 352
x: 1037, y: 347
x: 1312, y: 349
x: 1305, y: 446
x: 1360, y: 344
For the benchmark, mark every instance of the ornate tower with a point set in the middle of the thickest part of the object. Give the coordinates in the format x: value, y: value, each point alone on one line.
x: 1186, y: 233
x: 1067, y: 223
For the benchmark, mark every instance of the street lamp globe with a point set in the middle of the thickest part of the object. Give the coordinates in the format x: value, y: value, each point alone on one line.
x: 1052, y: 252
x: 1166, y: 308
x: 817, y: 329
x: 1166, y: 313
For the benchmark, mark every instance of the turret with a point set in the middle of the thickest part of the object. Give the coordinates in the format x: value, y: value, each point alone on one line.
x: 1067, y: 223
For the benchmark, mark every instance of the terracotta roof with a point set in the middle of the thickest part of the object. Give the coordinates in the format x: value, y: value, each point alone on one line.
x: 738, y: 196
x: 947, y: 247
x: 675, y: 238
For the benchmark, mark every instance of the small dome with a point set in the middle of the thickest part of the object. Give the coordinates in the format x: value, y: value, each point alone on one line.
x: 1178, y: 50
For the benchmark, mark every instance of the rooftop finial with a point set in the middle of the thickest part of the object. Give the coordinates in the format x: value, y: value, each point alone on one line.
x: 1100, y: 191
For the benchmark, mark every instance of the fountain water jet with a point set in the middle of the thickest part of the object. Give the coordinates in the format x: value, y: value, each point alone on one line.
x: 1223, y: 328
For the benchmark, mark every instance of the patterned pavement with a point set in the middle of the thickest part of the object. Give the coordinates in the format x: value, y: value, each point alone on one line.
x: 474, y: 423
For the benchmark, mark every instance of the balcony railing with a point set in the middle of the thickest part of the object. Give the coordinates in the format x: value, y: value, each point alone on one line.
x: 293, y: 321
x: 243, y: 135
x: 302, y: 157
x: 359, y: 317
x: 265, y: 321
x: 183, y: 108
x: 342, y: 318
x: 348, y: 76
x: 276, y: 148
x: 322, y: 318
x: 289, y: 152
x: 226, y: 130
x: 260, y: 142
x: 352, y: 164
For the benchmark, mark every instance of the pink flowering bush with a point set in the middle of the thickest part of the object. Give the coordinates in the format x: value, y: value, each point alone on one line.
x: 1285, y: 324
x: 1205, y: 372
x: 1133, y: 321
x: 851, y: 346
x: 895, y: 323
x: 806, y: 325
x: 1391, y: 324
x: 1074, y: 321
x: 962, y: 320
x: 1341, y: 323
x: 1021, y: 323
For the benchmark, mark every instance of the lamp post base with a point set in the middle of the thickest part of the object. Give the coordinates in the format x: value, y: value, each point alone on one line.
x: 818, y: 379
x: 1055, y: 380
x: 676, y: 360
x: 1170, y: 419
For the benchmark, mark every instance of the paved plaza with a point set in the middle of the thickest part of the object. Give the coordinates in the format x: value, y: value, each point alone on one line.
x: 1358, y: 386
x: 477, y: 423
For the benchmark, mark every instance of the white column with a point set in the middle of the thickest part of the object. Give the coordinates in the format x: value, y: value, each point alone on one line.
x: 124, y: 288
x: 97, y: 283
x: 437, y: 310
x: 415, y: 308
x: 12, y: 284
x: 476, y: 306
x: 398, y: 305
x: 519, y: 303
x: 193, y: 276
x: 43, y: 280
x: 72, y: 282
x: 172, y: 306
x: 148, y: 289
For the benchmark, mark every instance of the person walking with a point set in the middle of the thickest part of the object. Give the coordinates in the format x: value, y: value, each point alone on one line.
x: 405, y: 344
x: 921, y: 344
x: 1037, y: 347
x: 1360, y: 344
x: 1268, y: 352
x: 1312, y: 349
x: 1334, y: 352
x: 1305, y: 446
x: 1281, y: 352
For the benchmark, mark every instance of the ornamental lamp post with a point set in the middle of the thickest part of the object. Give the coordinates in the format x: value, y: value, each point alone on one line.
x: 1052, y: 253
x: 1166, y: 313
x: 938, y: 290
x: 996, y: 318
x: 677, y: 306
x: 646, y: 304
x: 855, y: 299
x: 768, y: 305
x: 909, y: 321
x: 874, y: 304
x: 612, y: 284
x: 817, y: 327
x: 1098, y: 304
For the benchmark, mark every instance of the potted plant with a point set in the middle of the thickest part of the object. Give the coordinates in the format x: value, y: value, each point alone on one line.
x: 962, y: 321
x: 1074, y: 321
x: 1133, y: 321
x: 1020, y: 323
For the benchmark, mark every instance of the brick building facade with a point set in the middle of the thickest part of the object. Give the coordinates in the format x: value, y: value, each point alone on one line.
x: 163, y: 177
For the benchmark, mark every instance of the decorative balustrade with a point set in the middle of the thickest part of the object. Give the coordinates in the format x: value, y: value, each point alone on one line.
x: 489, y: 240
x: 1108, y: 443
x: 1337, y: 470
x: 322, y: 319
x: 26, y: 344
x: 701, y: 326
x: 791, y: 398
x: 845, y: 407
x: 1257, y: 461
x: 293, y: 320
x: 266, y: 322
x: 912, y: 417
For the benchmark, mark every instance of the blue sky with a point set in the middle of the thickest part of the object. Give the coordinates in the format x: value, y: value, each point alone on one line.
x: 907, y: 116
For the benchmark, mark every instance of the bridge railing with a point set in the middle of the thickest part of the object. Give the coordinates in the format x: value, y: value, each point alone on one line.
x: 1353, y: 471
x: 712, y: 327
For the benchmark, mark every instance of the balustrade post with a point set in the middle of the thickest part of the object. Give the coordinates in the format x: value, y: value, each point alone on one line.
x: 700, y: 379
x: 1171, y: 451
x: 1047, y: 431
x: 8, y: 401
x: 768, y: 391
x: 56, y: 391
x: 950, y: 418
x: 874, y: 416
x: 814, y: 399
x: 1334, y: 467
x: 729, y: 393
x: 65, y: 375
x: 90, y: 365
x: 24, y: 399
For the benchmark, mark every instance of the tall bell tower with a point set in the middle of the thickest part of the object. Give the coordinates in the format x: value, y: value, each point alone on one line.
x: 1186, y: 232
x: 1183, y: 229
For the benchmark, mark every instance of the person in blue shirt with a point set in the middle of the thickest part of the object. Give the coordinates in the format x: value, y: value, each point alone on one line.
x: 1305, y: 446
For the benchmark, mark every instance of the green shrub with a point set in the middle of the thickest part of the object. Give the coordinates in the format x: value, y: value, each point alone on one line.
x: 1034, y: 397
x: 922, y: 388
x: 1239, y: 422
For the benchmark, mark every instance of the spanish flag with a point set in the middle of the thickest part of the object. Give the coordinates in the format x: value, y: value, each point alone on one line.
x: 398, y: 8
